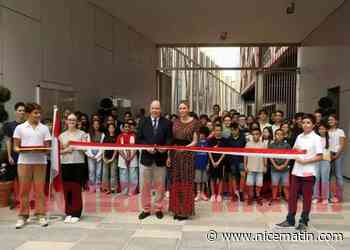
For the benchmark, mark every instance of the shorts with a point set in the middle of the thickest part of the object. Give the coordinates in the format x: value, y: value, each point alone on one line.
x: 216, y: 173
x: 200, y: 176
x: 255, y: 179
x: 280, y: 178
x: 237, y: 168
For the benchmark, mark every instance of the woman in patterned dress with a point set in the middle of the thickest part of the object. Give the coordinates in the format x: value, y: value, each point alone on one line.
x: 185, y: 130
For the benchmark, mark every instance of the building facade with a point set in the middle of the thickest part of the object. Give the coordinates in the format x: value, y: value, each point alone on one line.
x: 187, y: 69
x: 272, y: 85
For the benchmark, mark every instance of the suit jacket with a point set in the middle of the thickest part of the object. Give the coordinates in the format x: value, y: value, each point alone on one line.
x: 145, y: 135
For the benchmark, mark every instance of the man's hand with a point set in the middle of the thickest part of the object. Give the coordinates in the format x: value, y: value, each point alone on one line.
x: 300, y: 161
x: 69, y: 149
x: 162, y: 150
x: 151, y: 151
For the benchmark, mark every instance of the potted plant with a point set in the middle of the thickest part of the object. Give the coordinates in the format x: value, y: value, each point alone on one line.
x: 6, y: 172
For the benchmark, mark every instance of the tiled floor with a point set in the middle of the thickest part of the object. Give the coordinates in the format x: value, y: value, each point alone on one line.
x: 113, y: 224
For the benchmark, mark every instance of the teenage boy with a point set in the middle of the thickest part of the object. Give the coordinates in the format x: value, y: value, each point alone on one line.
x: 216, y: 165
x: 279, y: 167
x: 31, y: 164
x: 255, y: 168
x: 201, y: 165
x: 303, y: 174
x: 278, y: 121
x: 263, y: 119
x: 236, y: 162
x: 9, y: 129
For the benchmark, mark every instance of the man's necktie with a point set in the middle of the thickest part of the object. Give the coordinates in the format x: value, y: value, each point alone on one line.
x: 155, y: 125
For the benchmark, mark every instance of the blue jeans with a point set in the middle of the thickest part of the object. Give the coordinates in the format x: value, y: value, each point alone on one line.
x: 128, y: 180
x: 322, y: 177
x: 339, y: 177
x: 95, y: 171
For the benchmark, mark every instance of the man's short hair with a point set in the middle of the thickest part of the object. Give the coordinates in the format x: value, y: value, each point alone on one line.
x: 310, y: 117
x: 299, y: 114
x: 255, y: 129
x: 204, y: 116
x: 262, y: 111
x: 19, y: 104
x: 29, y: 107
x: 204, y: 130
x: 234, y: 126
x: 280, y: 111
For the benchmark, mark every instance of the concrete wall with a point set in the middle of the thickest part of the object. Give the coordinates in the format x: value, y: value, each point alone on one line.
x: 73, y: 44
x: 324, y: 61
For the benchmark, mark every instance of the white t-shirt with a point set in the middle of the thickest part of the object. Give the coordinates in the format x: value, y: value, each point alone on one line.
x: 274, y: 128
x: 264, y: 125
x: 121, y: 160
x: 76, y: 156
x: 312, y: 143
x: 31, y: 137
x: 334, y: 139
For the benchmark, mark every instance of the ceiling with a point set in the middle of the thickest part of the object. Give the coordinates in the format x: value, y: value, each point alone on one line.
x: 202, y: 21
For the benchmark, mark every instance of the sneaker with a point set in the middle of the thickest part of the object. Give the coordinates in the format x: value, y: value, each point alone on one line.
x: 212, y: 198
x: 74, y: 220
x: 219, y: 198
x: 259, y: 201
x: 250, y: 201
x: 324, y: 202
x: 335, y: 200
x: 301, y: 227
x: 144, y: 215
x: 315, y: 201
x: 67, y: 219
x: 204, y: 197
x: 43, y: 222
x: 159, y: 215
x: 241, y: 196
x: 20, y: 223
x: 198, y: 197
x: 167, y: 194
x: 284, y: 224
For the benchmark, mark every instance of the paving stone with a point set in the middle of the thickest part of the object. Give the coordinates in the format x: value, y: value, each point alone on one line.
x: 151, y: 244
x: 11, y: 244
x: 199, y: 240
x: 305, y: 246
x: 97, y: 246
x: 42, y: 245
x: 108, y: 236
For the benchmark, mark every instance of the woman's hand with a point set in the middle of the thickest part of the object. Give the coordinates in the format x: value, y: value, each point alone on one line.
x: 335, y: 157
x: 168, y: 162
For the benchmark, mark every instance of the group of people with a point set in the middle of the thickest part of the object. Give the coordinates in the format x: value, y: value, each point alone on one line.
x: 184, y: 176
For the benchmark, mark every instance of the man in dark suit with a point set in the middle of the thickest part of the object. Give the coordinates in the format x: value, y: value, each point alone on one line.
x: 154, y: 130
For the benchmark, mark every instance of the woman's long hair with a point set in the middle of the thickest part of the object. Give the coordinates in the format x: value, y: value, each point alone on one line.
x: 326, y: 126
x: 92, y: 130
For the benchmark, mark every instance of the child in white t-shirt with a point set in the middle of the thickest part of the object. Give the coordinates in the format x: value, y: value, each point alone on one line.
x: 303, y: 174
